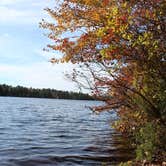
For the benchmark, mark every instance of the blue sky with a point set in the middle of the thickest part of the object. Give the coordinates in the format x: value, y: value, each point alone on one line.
x: 22, y: 61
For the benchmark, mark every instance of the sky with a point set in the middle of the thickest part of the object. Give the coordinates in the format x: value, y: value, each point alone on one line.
x: 22, y: 60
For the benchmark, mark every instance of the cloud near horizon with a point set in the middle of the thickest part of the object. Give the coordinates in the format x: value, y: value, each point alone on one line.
x: 37, y: 75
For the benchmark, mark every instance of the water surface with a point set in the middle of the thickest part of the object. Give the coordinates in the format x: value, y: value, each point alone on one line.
x: 49, y: 132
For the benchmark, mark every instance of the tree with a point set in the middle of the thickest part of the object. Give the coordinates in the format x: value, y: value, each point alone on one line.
x: 121, y: 45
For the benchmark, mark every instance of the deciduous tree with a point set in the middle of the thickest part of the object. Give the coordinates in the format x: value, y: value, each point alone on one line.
x: 122, y: 46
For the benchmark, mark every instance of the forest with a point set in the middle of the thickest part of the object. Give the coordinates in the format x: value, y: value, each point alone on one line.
x: 19, y: 91
x: 120, y: 47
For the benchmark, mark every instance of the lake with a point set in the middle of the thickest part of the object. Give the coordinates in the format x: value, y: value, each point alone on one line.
x: 49, y: 132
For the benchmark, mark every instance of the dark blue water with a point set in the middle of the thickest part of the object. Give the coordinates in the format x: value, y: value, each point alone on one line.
x: 47, y: 132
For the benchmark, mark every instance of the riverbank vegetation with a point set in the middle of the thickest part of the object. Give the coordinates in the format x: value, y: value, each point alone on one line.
x: 19, y: 91
x: 120, y: 46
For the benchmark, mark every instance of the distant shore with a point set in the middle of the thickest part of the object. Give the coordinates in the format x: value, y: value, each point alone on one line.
x: 20, y: 91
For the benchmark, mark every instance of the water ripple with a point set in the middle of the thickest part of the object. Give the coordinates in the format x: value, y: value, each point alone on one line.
x: 46, y: 132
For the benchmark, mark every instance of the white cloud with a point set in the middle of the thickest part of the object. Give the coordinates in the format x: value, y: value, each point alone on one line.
x: 38, y: 75
x: 10, y: 15
x: 37, y: 3
x: 21, y: 12
x: 10, y: 2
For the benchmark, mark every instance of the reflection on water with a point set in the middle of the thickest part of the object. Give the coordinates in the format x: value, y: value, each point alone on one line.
x: 47, y: 132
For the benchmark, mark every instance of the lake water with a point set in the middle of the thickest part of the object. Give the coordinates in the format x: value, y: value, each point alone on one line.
x: 49, y: 132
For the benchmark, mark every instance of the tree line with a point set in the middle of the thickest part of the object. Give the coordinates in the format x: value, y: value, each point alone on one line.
x: 19, y: 91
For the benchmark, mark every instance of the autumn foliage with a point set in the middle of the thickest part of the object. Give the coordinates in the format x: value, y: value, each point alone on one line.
x: 120, y: 46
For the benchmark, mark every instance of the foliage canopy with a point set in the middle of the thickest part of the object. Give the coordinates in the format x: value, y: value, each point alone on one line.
x: 121, y: 45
